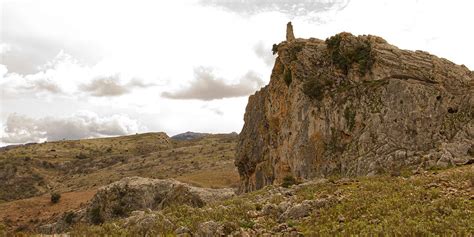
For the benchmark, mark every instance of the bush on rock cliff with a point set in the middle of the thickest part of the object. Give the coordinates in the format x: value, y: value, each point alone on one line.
x: 345, y: 54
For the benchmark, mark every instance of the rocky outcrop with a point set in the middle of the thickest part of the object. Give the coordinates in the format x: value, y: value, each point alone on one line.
x: 135, y: 199
x: 355, y: 105
x: 289, y: 32
x: 119, y: 199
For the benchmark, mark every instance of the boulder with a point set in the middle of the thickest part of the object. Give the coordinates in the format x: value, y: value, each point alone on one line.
x: 120, y: 198
x: 296, y: 212
x: 210, y: 229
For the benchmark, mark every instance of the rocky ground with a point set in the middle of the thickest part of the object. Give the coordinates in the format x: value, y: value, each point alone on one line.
x: 439, y: 202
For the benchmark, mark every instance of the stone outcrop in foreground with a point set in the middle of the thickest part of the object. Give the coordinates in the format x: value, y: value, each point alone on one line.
x: 129, y: 194
x: 355, y: 105
x: 133, y: 196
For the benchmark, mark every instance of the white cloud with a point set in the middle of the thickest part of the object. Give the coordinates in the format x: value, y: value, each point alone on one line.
x: 294, y: 8
x: 22, y: 129
x: 56, y: 60
x: 111, y: 86
x: 4, y: 48
x: 206, y: 86
x: 264, y: 52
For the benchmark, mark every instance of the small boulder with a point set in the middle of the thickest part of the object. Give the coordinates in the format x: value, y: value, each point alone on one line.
x: 210, y: 229
x: 297, y: 211
x: 270, y: 210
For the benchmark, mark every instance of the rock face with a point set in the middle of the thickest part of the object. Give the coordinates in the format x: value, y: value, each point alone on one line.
x: 119, y: 199
x: 355, y: 105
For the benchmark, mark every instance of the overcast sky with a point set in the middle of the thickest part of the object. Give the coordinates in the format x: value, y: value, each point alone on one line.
x: 87, y: 68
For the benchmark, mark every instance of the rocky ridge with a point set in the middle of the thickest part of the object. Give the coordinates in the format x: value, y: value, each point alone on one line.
x: 355, y: 105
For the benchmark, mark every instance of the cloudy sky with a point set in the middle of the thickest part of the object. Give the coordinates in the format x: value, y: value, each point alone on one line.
x: 74, y: 69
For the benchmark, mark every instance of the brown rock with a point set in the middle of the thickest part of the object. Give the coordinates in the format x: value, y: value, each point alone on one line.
x: 354, y: 105
x: 289, y: 32
x: 121, y: 198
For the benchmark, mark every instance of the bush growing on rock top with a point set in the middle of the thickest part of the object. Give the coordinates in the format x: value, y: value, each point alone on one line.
x: 344, y: 57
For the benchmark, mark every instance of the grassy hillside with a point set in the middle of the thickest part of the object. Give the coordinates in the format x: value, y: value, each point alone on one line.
x: 432, y: 203
x: 81, y: 166
x: 439, y: 202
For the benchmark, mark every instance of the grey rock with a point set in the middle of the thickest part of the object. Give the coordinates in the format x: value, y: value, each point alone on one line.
x: 210, y: 229
x: 283, y: 206
x: 270, y: 210
x: 297, y: 211
x: 407, y: 105
x: 121, y: 198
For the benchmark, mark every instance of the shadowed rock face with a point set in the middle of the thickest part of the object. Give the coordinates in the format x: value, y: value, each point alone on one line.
x: 355, y: 106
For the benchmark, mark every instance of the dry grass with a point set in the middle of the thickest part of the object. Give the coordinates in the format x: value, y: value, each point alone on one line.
x: 428, y: 204
x: 22, y: 214
x: 82, y: 165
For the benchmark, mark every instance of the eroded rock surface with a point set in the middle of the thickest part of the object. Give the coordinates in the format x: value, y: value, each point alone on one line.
x: 119, y: 199
x: 355, y: 105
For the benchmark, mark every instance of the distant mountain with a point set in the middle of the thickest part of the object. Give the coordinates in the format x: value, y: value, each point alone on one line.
x: 188, y: 136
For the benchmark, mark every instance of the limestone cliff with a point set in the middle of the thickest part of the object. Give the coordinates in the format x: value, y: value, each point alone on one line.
x: 355, y: 105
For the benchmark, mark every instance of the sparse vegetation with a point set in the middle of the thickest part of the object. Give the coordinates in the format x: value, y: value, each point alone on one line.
x: 349, y: 115
x: 69, y: 217
x: 95, y: 216
x: 427, y: 204
x: 287, y: 76
x: 345, y: 57
x: 315, y: 87
x: 288, y: 181
x: 27, y: 171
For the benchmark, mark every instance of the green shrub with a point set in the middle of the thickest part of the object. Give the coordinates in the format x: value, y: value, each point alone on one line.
x: 314, y: 88
x: 55, y: 197
x: 95, y: 216
x: 287, y: 76
x: 118, y: 210
x: 288, y: 181
x: 248, y: 224
x: 344, y: 58
x: 69, y: 218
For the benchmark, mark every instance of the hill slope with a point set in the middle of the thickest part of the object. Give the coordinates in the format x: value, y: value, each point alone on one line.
x: 435, y: 202
x: 79, y: 168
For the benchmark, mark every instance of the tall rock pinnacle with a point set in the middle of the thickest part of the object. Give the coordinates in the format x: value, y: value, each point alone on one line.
x: 289, y: 32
